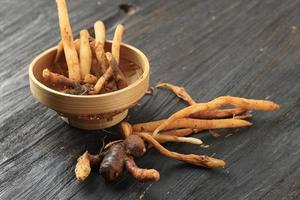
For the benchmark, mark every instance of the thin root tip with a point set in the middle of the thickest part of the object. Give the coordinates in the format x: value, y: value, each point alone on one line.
x: 157, y: 178
x: 271, y: 106
x: 221, y: 164
x: 224, y: 165
x: 276, y: 106
x: 83, y: 31
x: 217, y: 164
x: 156, y: 175
x: 249, y: 123
x: 99, y: 22
x: 197, y: 141
x: 120, y: 26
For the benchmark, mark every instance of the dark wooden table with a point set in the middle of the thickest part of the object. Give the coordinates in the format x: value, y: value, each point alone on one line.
x: 212, y: 48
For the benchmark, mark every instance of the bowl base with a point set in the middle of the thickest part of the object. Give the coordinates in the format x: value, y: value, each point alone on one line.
x: 95, y: 124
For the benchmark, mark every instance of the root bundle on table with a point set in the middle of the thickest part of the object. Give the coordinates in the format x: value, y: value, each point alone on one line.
x: 86, y: 69
x: 247, y: 104
x: 193, y: 119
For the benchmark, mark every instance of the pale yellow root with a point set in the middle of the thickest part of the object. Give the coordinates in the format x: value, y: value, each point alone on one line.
x: 198, y: 160
x: 99, y: 45
x: 168, y: 136
x: 147, y: 126
x: 162, y: 138
x: 179, y: 91
x: 199, y: 124
x: 115, y: 49
x: 99, y: 33
x: 90, y: 78
x: 67, y: 40
x: 125, y: 129
x: 101, y: 81
x: 83, y: 167
x: 248, y: 104
x: 57, y: 79
x: 77, y: 46
x: 85, y: 53
x: 59, y: 51
x: 218, y: 113
x: 179, y: 132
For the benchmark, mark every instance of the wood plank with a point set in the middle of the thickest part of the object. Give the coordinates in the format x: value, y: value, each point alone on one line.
x: 212, y: 48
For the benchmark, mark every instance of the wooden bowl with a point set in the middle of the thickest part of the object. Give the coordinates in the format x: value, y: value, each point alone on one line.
x: 91, y: 111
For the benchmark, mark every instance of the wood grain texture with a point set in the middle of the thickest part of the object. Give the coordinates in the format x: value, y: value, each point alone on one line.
x: 212, y: 48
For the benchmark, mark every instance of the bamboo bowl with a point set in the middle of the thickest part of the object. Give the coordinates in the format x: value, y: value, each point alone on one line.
x: 91, y: 112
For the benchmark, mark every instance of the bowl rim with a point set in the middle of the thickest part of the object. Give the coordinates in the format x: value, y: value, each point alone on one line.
x: 146, y: 72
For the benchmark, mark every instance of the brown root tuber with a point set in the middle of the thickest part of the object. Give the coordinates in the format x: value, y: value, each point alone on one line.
x: 135, y: 146
x: 122, y: 153
x: 113, y: 162
x: 107, y: 146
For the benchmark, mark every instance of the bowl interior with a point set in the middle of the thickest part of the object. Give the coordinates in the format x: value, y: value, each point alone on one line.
x: 131, y: 68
